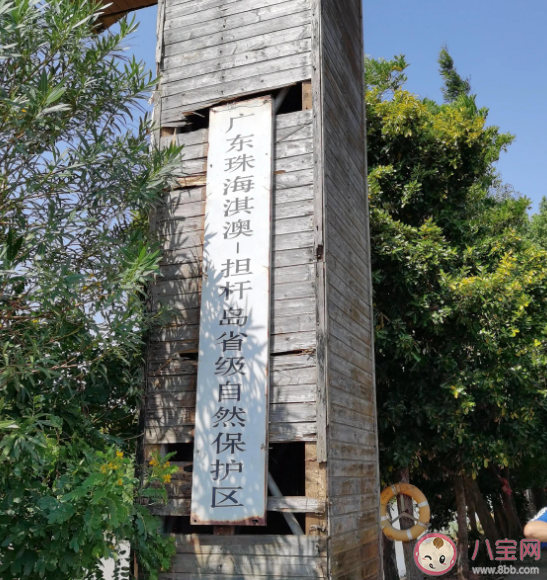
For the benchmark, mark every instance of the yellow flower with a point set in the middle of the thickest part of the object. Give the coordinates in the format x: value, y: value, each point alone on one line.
x: 167, y: 464
x: 120, y: 482
x: 103, y: 468
x: 153, y: 462
x: 166, y: 479
x: 119, y: 454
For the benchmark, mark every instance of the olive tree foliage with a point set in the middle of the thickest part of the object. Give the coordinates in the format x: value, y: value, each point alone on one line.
x: 77, y: 175
x: 460, y: 296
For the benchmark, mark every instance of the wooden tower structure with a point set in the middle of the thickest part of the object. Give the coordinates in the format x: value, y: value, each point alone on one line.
x: 323, y: 507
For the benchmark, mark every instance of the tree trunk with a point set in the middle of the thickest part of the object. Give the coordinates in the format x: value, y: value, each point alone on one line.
x: 483, y: 511
x: 472, y: 516
x: 404, y: 503
x: 500, y: 517
x: 540, y: 498
x: 514, y: 526
x: 391, y: 571
x: 463, y: 541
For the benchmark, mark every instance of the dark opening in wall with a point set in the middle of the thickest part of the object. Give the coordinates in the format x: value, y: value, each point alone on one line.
x: 286, y: 465
x: 291, y: 103
x: 182, y: 451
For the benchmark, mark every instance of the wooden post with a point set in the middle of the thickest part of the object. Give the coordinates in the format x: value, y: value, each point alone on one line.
x: 463, y: 542
x: 307, y: 96
x: 316, y: 487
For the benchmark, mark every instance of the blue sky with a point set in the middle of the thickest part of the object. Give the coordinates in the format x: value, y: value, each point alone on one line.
x: 498, y: 43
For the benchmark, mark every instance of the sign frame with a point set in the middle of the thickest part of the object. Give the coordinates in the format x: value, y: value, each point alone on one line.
x: 230, y: 472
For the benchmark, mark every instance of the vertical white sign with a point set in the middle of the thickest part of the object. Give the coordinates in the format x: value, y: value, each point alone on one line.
x: 229, y: 479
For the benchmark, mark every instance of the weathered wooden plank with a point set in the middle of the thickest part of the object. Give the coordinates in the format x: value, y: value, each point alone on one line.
x: 189, y: 326
x: 366, y: 571
x: 356, y: 336
x: 364, y: 404
x: 354, y: 503
x: 360, y: 345
x: 177, y: 399
x: 180, y: 416
x: 286, y: 371
x: 214, y: 85
x: 354, y: 357
x: 353, y: 538
x: 360, y: 436
x: 293, y: 163
x: 198, y: 576
x: 284, y: 254
x: 293, y: 341
x: 292, y: 432
x: 334, y: 74
x: 316, y: 487
x: 179, y: 489
x: 212, y: 54
x: 351, y: 418
x: 180, y: 506
x: 352, y: 558
x: 350, y: 486
x: 294, y: 195
x: 254, y: 566
x: 353, y: 159
x: 299, y: 394
x: 195, y: 74
x: 285, y: 180
x: 281, y: 290
x: 287, y: 203
x: 182, y: 19
x: 221, y: 39
x: 352, y: 468
x: 357, y: 314
x: 344, y: 375
x: 342, y: 241
x: 288, y: 324
x: 196, y: 5
x: 354, y: 521
x: 184, y: 28
x: 296, y: 126
x: 168, y: 435
x: 210, y: 10
x: 185, y: 337
x: 190, y: 217
x: 361, y: 388
x: 262, y: 545
x: 291, y: 234
x: 301, y: 505
x: 339, y: 214
x: 351, y: 291
x: 278, y: 433
x: 208, y: 96
x: 182, y: 238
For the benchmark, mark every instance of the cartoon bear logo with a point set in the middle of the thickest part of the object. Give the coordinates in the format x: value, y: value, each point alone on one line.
x: 435, y: 554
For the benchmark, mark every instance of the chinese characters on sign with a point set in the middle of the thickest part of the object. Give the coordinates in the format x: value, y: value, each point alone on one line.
x: 229, y: 480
